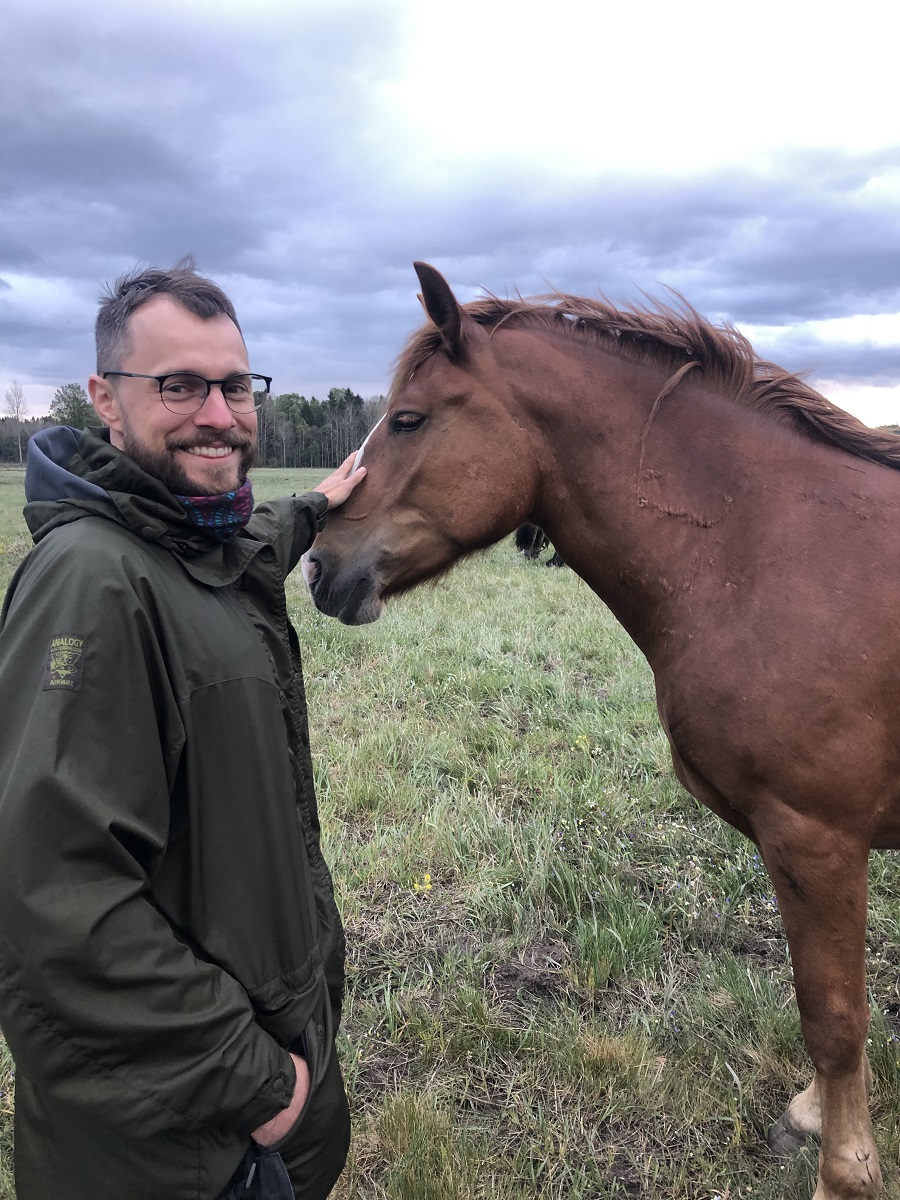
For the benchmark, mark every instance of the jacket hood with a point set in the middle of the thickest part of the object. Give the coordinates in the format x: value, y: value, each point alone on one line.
x: 47, y: 476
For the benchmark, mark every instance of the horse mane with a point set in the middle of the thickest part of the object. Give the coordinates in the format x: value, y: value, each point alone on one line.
x: 670, y: 336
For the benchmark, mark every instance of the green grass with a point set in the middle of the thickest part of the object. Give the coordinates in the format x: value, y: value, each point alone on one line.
x: 565, y: 978
x: 7, y: 1108
x: 15, y: 541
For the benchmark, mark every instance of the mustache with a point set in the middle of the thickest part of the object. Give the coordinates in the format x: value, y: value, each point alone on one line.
x: 226, y: 437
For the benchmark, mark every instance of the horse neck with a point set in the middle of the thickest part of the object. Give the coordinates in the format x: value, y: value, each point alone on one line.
x: 633, y: 495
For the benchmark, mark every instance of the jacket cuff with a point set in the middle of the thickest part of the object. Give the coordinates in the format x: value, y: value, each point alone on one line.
x: 320, y: 505
x: 272, y: 1099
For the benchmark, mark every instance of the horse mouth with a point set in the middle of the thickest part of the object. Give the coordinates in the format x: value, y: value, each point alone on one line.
x: 353, y: 601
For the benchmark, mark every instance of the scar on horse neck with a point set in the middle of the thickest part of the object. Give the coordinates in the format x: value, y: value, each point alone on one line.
x: 642, y: 500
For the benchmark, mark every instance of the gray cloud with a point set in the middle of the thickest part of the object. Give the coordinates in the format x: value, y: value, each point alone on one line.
x: 253, y: 141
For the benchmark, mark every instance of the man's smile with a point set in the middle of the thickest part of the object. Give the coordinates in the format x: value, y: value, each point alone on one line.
x: 210, y: 451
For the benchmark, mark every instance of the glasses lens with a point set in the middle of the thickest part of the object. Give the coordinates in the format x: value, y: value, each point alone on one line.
x: 238, y: 392
x: 183, y: 393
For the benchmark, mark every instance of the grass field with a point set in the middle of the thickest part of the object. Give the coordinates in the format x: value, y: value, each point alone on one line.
x: 566, y: 979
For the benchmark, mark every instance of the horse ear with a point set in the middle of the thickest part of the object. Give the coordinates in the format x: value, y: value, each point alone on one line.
x: 442, y: 306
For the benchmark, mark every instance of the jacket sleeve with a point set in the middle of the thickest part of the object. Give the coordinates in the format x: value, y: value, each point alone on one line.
x: 290, y: 525
x: 101, y: 1002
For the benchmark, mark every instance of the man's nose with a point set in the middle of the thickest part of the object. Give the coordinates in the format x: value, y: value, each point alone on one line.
x: 214, y: 411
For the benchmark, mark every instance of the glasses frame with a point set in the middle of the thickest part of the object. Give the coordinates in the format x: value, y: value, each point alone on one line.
x: 210, y: 384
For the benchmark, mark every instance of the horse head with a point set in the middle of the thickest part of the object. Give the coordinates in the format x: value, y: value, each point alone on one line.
x: 451, y: 431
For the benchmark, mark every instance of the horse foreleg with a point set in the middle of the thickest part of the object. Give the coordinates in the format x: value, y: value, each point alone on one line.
x: 820, y: 878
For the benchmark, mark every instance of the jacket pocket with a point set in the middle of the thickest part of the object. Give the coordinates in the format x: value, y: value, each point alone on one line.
x: 289, y: 1003
x: 315, y: 1147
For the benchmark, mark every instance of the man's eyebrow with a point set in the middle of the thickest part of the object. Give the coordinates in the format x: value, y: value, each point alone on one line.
x: 199, y: 374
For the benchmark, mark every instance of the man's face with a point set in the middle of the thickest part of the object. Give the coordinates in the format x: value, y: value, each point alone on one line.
x: 205, y: 453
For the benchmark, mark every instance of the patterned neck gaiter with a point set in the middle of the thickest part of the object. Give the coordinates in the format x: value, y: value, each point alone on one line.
x: 221, y: 516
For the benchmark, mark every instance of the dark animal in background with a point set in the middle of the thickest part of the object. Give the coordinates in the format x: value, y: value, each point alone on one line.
x: 532, y: 541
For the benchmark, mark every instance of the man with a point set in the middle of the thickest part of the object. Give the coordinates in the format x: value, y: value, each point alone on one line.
x: 171, y: 957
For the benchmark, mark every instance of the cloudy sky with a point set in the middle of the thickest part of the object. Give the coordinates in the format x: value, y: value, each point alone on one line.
x: 306, y: 152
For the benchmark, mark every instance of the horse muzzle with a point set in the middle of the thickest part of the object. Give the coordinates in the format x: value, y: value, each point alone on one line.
x: 349, y: 593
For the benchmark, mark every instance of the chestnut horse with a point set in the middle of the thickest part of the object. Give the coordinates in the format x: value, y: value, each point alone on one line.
x: 744, y: 531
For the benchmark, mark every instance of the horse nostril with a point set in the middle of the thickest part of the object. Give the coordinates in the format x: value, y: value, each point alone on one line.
x: 311, y: 568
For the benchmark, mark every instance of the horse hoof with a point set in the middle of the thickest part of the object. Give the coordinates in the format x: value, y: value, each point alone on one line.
x: 785, y: 1139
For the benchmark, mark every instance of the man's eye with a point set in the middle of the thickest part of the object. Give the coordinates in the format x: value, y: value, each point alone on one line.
x: 406, y: 422
x: 178, y: 386
x: 237, y: 387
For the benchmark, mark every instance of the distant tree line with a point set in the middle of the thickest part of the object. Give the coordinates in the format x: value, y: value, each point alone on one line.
x: 296, y: 432
x: 293, y: 431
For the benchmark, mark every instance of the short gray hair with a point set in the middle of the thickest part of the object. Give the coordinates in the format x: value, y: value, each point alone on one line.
x: 125, y: 296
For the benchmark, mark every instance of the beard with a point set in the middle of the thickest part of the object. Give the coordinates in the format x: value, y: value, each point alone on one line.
x: 163, y: 465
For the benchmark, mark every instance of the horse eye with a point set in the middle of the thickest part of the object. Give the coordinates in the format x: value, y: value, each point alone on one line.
x: 406, y: 422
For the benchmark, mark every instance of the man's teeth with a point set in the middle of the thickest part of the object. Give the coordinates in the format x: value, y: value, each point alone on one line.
x: 211, y: 451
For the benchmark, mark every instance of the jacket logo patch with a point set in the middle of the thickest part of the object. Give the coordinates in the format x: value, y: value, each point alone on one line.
x: 65, y: 662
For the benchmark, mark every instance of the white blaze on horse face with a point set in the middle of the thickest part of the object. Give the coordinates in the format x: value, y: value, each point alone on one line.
x: 359, y: 453
x: 309, y: 568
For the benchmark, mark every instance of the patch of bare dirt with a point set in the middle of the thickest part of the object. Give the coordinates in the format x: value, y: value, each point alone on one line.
x: 540, y: 973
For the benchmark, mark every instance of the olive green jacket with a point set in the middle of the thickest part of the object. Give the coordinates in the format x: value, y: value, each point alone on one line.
x: 167, y: 922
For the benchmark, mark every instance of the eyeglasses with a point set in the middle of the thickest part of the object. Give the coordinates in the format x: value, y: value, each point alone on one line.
x: 185, y: 393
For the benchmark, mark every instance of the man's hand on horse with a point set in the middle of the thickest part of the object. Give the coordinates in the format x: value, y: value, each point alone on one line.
x: 338, y: 486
